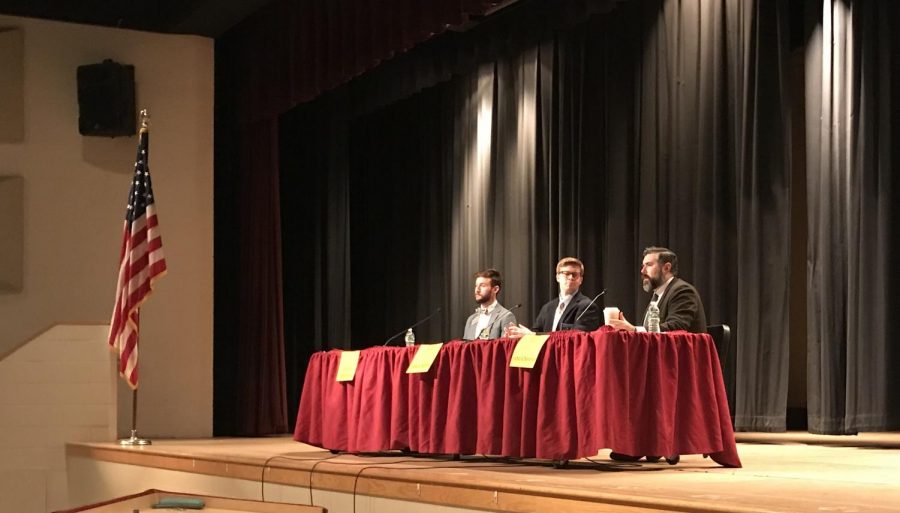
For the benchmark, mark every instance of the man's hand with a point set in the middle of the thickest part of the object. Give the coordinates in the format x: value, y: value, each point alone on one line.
x: 620, y: 323
x: 517, y: 331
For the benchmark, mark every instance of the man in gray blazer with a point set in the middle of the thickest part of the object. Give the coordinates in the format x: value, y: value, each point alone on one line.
x: 680, y: 307
x: 490, y: 317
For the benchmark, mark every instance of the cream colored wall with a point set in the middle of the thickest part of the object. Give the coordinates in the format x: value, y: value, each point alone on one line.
x: 75, y: 189
x: 58, y: 388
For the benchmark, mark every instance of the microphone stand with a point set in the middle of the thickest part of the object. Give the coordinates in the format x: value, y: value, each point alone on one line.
x: 404, y: 330
x: 589, y: 305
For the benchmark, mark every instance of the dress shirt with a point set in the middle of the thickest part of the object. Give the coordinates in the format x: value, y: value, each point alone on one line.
x: 484, y: 317
x: 564, y: 300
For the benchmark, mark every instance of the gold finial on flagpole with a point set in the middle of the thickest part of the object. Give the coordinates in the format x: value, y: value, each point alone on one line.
x: 145, y: 120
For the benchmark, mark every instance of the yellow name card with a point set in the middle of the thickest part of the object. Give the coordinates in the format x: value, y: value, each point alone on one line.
x: 527, y: 351
x: 347, y: 366
x: 424, y: 358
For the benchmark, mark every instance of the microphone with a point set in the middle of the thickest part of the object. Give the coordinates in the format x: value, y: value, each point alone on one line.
x: 388, y: 341
x: 491, y: 325
x: 589, y: 304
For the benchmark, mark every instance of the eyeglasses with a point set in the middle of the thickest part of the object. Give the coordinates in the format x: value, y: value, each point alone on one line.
x: 569, y: 274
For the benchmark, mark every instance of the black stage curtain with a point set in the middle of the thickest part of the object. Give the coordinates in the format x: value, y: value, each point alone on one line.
x: 852, y: 100
x: 695, y: 155
x: 397, y: 217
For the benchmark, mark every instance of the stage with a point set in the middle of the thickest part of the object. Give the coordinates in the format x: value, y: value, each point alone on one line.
x: 795, y: 472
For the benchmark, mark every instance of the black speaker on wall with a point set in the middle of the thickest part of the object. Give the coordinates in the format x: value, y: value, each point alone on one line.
x: 106, y: 99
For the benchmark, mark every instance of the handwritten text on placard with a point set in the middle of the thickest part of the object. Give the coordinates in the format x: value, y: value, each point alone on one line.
x: 527, y: 350
x: 424, y: 358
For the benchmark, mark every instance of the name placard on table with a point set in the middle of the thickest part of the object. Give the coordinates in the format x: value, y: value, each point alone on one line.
x: 524, y: 356
x: 347, y: 366
x: 424, y: 358
x: 527, y: 350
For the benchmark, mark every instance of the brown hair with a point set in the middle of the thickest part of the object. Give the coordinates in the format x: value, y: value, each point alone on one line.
x: 493, y: 274
x: 570, y: 261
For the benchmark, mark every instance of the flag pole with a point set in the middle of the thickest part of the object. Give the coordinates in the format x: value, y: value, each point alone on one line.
x: 134, y: 439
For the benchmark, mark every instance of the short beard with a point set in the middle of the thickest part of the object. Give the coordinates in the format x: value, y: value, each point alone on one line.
x: 483, y: 299
x: 651, y: 284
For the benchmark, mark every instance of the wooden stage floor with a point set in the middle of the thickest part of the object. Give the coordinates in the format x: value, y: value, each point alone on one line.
x: 790, y: 472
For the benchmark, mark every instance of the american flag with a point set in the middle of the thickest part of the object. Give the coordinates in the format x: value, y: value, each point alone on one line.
x: 141, y: 262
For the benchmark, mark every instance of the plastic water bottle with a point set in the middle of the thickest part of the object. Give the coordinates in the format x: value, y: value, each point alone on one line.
x: 410, y: 337
x: 653, y: 318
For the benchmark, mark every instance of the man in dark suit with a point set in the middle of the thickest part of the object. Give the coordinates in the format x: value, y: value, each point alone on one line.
x: 570, y: 310
x: 680, y: 307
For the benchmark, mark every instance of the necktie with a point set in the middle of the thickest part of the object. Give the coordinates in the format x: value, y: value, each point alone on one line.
x: 481, y: 310
x: 558, y: 316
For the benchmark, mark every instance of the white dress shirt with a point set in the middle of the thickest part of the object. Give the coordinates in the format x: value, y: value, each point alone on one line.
x: 484, y: 318
x: 564, y: 300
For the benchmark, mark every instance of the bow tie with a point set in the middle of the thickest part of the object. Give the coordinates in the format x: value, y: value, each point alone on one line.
x: 481, y: 310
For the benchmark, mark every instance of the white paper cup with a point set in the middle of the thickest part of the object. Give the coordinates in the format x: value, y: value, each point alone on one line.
x: 610, y: 311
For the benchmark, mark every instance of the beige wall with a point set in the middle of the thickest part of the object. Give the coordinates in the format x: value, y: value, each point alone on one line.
x: 58, y: 388
x: 75, y: 189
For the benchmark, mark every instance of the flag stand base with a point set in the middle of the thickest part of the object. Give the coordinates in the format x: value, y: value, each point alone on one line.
x: 134, y: 439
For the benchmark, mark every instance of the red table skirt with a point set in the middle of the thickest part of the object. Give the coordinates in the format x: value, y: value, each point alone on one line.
x: 634, y: 393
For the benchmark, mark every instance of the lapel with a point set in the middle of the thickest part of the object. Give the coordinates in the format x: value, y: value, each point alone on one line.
x: 469, y: 333
x: 663, y: 302
x: 553, y: 304
x: 495, y: 314
x: 570, y: 308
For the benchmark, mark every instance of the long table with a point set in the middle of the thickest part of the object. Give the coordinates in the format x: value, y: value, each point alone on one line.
x: 634, y: 393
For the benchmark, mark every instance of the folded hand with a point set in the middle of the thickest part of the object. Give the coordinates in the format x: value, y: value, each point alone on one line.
x: 620, y: 323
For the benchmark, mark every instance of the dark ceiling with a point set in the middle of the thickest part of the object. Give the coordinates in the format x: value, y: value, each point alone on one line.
x: 209, y: 18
